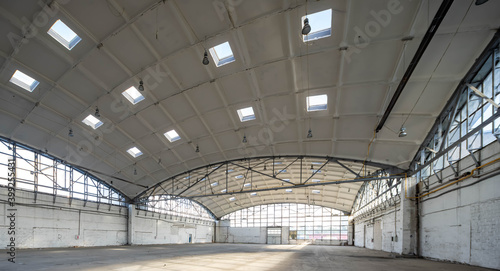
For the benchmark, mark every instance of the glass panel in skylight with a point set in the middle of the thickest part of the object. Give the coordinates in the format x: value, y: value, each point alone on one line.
x: 232, y: 199
x: 24, y: 81
x: 223, y: 191
x: 214, y: 184
x: 239, y: 177
x: 317, y: 102
x: 135, y: 152
x: 64, y: 35
x: 288, y: 190
x: 315, y: 191
x: 247, y: 185
x: 133, y: 95
x: 321, y: 25
x: 222, y: 54
x: 172, y: 136
x: 92, y: 121
x: 246, y: 114
x: 253, y: 194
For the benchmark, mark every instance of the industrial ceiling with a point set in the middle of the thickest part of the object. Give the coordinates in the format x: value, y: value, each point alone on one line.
x: 162, y: 43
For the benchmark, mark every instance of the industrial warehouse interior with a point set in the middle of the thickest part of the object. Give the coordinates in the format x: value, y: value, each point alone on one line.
x: 250, y: 135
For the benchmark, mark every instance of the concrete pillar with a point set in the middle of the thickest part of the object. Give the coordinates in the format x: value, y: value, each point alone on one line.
x: 410, y: 220
x: 131, y: 224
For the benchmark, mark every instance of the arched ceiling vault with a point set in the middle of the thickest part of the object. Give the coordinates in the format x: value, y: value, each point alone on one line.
x: 162, y: 44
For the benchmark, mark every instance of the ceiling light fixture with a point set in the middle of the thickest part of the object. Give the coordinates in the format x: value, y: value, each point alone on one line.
x: 135, y: 170
x: 402, y: 132
x: 245, y: 139
x: 265, y: 168
x: 480, y: 2
x: 141, y: 85
x: 312, y: 167
x: 97, y: 114
x: 70, y: 133
x: 197, y: 148
x: 309, y: 134
x: 307, y: 28
x: 205, y: 58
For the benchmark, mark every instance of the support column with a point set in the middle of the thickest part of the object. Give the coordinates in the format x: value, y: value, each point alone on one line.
x: 409, y: 208
x: 130, y: 224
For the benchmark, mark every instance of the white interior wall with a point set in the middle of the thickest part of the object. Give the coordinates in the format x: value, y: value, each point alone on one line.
x: 154, y: 228
x: 47, y: 224
x: 461, y: 224
x: 391, y: 230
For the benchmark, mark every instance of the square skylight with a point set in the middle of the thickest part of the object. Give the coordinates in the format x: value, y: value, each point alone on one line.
x: 172, y: 135
x: 289, y: 190
x: 321, y: 25
x: 317, y: 102
x: 315, y: 180
x: 222, y: 54
x: 247, y: 185
x: 24, y: 81
x: 223, y: 191
x: 214, y: 184
x: 239, y: 177
x: 232, y: 199
x: 253, y: 194
x: 92, y: 121
x: 133, y: 95
x: 64, y: 35
x: 135, y: 152
x: 246, y: 114
x: 316, y: 191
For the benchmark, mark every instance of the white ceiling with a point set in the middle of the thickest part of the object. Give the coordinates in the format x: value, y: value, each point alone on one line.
x: 273, y: 72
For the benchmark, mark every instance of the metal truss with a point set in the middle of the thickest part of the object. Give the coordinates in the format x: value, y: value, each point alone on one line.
x: 464, y: 118
x: 43, y: 173
x: 377, y: 195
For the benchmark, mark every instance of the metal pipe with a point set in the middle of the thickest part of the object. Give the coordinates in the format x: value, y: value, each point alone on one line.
x: 436, y: 21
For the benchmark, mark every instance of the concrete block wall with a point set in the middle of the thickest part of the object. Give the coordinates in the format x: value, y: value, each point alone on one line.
x: 153, y: 228
x: 48, y: 224
x: 389, y: 235
x: 460, y: 223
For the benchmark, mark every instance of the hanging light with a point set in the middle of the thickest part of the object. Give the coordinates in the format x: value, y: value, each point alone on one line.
x: 307, y: 28
x: 265, y: 168
x: 205, y: 58
x: 312, y: 167
x: 245, y: 139
x: 70, y: 133
x: 309, y: 133
x: 197, y: 148
x: 97, y: 114
x: 402, y: 132
x: 135, y: 171
x: 141, y: 85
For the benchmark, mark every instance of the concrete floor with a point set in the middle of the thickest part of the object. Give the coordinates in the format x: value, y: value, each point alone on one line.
x: 219, y: 257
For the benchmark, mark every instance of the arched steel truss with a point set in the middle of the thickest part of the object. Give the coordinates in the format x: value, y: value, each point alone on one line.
x: 231, y: 185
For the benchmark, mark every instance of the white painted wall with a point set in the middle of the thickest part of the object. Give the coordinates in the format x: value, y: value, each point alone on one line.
x: 154, y: 228
x: 47, y: 224
x: 391, y: 226
x: 463, y: 225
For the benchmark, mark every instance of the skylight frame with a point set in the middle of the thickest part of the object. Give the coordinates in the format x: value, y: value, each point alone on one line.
x: 55, y: 32
x: 134, y: 152
x: 317, y: 102
x: 92, y: 121
x: 244, y: 114
x: 172, y: 135
x: 133, y: 95
x: 20, y: 79
x: 219, y: 50
x: 318, y: 19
